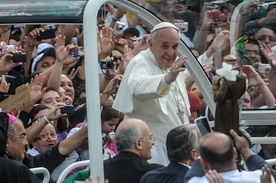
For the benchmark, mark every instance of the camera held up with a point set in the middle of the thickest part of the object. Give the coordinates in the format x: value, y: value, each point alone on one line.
x: 107, y: 64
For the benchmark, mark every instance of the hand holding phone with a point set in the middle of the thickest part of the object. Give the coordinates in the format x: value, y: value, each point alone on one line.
x: 203, y: 125
x: 47, y: 34
x: 19, y: 57
x: 69, y: 110
x: 246, y: 70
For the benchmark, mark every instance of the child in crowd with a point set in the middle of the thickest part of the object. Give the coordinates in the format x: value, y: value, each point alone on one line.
x: 110, y: 119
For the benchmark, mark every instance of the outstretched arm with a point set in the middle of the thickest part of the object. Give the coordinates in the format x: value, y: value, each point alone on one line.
x: 73, y: 142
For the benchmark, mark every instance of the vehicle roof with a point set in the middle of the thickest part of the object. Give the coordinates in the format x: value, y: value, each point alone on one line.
x: 69, y: 11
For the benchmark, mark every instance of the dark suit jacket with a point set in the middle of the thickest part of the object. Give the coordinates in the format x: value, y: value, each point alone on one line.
x: 127, y: 167
x: 12, y: 171
x: 15, y: 172
x: 173, y: 173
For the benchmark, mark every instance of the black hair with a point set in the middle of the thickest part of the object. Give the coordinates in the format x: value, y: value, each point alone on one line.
x: 108, y: 112
x: 180, y: 141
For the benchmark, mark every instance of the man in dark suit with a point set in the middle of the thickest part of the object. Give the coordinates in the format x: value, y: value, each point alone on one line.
x: 12, y: 171
x: 134, y: 142
x: 182, y: 143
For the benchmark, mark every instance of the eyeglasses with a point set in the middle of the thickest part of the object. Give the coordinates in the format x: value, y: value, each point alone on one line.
x: 23, y: 137
x: 151, y: 138
x: 46, y: 137
x: 250, y: 52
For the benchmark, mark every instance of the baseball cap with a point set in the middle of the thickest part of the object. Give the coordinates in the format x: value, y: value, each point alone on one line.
x: 43, y: 50
x: 132, y: 30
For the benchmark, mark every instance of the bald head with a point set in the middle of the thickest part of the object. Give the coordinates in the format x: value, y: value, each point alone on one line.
x: 128, y: 131
x: 217, y: 148
x: 131, y: 123
x: 222, y: 141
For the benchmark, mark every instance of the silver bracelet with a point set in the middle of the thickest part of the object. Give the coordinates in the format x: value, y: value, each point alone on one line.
x: 49, y: 122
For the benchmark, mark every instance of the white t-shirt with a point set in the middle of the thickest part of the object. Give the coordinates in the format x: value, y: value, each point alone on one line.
x: 234, y: 177
x: 108, y: 20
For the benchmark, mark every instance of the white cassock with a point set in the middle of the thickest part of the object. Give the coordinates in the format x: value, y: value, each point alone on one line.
x: 143, y: 94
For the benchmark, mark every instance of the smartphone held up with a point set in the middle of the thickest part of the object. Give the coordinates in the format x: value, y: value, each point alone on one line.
x: 68, y: 109
x: 47, y: 34
x: 246, y: 70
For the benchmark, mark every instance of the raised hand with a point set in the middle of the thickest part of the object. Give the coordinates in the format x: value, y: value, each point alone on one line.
x: 207, y: 19
x: 36, y: 87
x: 175, y: 69
x: 266, y: 174
x: 222, y: 41
x: 105, y: 40
x: 63, y: 52
x: 254, y: 78
x: 54, y: 112
x: 99, y: 180
x: 250, y: 7
x: 4, y: 86
x: 73, y: 72
x: 269, y: 54
x: 113, y: 85
x: 214, y: 177
x: 242, y: 144
x: 120, y: 43
x: 125, y: 60
x: 141, y: 45
x: 31, y: 38
x: 6, y: 63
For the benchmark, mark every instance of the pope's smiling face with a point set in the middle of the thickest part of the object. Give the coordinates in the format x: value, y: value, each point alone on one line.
x: 164, y: 45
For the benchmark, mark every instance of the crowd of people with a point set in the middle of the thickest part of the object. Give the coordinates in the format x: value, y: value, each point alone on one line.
x: 149, y: 101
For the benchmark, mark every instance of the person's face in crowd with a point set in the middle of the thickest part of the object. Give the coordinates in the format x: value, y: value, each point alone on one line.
x: 265, y: 35
x: 17, y: 144
x: 110, y: 125
x: 196, y: 90
x: 50, y: 98
x: 45, y: 63
x: 164, y: 46
x: 47, y: 138
x: 67, y: 85
x: 117, y: 56
x: 252, y: 52
x: 146, y: 140
x: 247, y: 103
x: 65, y: 97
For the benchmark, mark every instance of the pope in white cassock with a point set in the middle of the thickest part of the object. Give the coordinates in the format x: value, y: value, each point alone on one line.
x: 153, y: 88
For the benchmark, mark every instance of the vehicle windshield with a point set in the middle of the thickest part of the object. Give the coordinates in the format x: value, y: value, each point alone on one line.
x: 239, y: 33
